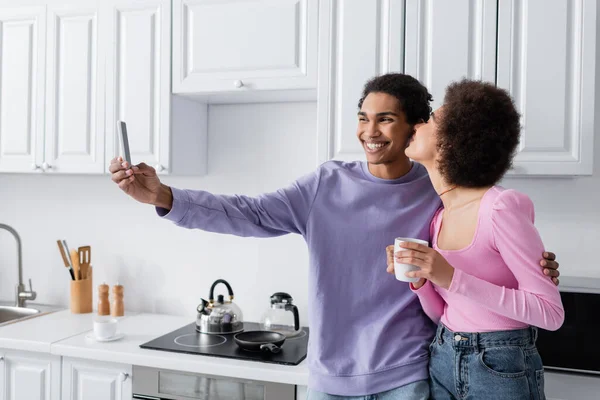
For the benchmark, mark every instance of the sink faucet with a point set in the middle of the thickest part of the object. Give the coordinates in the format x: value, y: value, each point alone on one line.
x: 21, y: 293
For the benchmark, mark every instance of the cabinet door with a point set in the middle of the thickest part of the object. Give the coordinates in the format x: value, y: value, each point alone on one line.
x: 90, y: 380
x: 547, y: 59
x: 138, y: 80
x: 364, y: 39
x: 450, y: 40
x: 244, y: 45
x: 29, y: 376
x: 22, y: 64
x: 301, y: 392
x: 75, y: 89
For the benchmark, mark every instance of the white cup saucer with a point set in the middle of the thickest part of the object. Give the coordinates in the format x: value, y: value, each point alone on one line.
x: 92, y: 336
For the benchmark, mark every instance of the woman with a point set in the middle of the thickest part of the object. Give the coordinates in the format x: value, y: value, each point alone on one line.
x: 480, y: 280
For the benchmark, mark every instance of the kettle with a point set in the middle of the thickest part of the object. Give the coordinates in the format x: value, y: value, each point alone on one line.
x: 282, y: 316
x: 218, y: 317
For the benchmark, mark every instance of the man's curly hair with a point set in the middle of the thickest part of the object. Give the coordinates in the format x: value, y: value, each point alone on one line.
x: 413, y: 97
x: 478, y: 133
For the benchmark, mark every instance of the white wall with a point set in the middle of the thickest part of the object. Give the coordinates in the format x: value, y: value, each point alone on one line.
x: 568, y: 216
x: 253, y: 149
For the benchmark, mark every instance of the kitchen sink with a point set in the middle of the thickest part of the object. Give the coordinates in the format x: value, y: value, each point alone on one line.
x: 8, y: 313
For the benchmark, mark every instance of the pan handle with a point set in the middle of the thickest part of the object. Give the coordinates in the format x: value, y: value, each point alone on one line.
x: 270, y: 347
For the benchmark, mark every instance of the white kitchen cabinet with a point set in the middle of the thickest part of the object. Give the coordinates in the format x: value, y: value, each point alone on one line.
x: 95, y: 380
x: 542, y: 52
x: 69, y: 71
x: 137, y: 84
x: 165, y: 131
x: 362, y: 39
x: 547, y: 60
x: 75, y: 88
x: 450, y: 40
x: 29, y: 376
x: 246, y: 48
x: 22, y: 69
x: 51, y: 88
x: 301, y: 392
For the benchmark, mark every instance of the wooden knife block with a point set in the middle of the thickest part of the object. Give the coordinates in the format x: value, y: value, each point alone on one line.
x: 81, y: 295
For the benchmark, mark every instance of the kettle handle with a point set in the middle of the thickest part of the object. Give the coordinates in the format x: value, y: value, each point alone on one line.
x: 211, y: 295
x: 294, y: 309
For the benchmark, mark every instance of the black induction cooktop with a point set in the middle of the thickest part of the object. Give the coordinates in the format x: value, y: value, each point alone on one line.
x: 188, y: 340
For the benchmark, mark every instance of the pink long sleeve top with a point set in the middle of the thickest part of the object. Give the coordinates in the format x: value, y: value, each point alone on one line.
x: 498, y: 283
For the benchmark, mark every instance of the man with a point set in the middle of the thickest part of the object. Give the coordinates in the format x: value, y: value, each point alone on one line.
x: 369, y: 335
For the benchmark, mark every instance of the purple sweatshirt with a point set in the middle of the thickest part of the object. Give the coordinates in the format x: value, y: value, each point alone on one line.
x: 368, y: 331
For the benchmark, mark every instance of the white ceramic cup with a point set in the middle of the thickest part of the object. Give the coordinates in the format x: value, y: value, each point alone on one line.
x: 105, y: 328
x: 400, y: 268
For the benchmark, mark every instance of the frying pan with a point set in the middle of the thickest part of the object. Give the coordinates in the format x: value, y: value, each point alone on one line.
x: 266, y: 341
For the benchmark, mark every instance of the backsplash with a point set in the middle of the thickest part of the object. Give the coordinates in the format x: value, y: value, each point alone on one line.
x: 165, y: 269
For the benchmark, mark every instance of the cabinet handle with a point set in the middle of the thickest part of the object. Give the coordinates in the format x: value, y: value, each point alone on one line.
x: 1, y: 358
x: 46, y: 166
x: 123, y: 376
x: 238, y: 84
x: 35, y: 167
x: 159, y: 168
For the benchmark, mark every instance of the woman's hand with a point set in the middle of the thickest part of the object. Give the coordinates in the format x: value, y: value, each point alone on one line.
x: 390, y: 259
x: 389, y: 250
x: 432, y: 264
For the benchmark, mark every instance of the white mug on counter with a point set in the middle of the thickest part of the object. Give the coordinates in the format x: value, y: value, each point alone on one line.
x: 400, y: 268
x: 105, y: 328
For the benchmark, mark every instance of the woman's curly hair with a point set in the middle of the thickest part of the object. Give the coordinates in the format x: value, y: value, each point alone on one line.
x: 477, y: 133
x: 413, y: 97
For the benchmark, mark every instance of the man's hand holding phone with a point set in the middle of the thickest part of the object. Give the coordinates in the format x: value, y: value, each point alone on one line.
x: 138, y: 181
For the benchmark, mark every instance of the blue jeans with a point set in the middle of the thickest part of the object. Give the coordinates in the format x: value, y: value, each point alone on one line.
x: 413, y: 391
x: 502, y: 365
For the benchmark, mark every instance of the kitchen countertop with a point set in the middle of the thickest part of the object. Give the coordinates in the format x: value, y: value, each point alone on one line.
x: 579, y: 284
x: 38, y: 332
x: 64, y: 334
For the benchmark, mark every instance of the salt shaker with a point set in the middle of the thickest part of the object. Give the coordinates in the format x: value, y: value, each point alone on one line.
x: 117, y: 309
x: 103, y: 304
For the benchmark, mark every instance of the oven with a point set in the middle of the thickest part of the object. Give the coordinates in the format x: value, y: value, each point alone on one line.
x: 160, y: 384
x: 574, y: 347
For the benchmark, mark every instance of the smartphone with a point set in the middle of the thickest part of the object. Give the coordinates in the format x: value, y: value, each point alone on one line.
x: 122, y: 127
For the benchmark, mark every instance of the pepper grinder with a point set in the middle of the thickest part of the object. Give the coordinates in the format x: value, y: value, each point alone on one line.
x: 117, y: 309
x: 103, y: 304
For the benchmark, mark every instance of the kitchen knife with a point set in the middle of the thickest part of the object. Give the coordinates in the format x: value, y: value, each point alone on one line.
x: 68, y: 252
x: 63, y: 254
